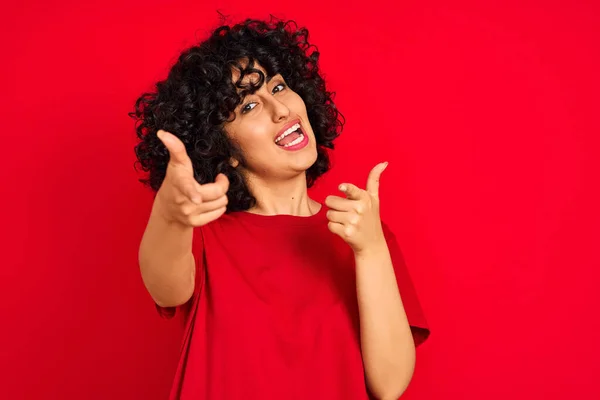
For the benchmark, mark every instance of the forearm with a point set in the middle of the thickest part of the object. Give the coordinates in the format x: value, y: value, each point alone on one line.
x: 387, y: 344
x: 166, y: 261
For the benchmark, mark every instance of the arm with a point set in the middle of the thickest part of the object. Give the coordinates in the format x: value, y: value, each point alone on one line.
x: 166, y: 260
x: 387, y: 343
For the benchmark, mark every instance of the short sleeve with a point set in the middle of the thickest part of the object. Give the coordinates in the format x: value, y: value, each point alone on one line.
x: 410, y: 300
x: 198, y: 252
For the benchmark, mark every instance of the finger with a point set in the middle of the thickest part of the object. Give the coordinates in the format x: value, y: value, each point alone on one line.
x: 351, y: 191
x: 176, y: 149
x: 207, y: 217
x: 222, y: 180
x: 190, y: 209
x: 214, y: 190
x: 212, y: 205
x: 336, y: 228
x: 343, y: 217
x: 373, y: 179
x: 344, y: 231
x: 339, y: 203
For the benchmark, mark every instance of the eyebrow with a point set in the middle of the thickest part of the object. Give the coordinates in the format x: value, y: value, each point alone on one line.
x: 269, y: 78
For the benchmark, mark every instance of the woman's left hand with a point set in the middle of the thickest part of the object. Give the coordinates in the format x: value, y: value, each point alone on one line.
x: 356, y: 218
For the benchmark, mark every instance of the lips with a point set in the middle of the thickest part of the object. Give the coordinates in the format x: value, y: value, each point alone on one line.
x: 300, y: 142
x: 286, y: 127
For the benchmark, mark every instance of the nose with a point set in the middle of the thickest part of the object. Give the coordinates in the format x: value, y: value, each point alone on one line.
x: 280, y: 111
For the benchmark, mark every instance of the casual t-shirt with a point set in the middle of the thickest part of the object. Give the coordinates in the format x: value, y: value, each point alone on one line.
x: 274, y: 313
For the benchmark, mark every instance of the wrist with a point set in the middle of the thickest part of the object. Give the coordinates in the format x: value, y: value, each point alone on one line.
x: 161, y: 213
x: 374, y: 248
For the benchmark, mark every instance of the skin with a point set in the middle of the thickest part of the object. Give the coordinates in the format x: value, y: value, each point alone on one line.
x: 277, y: 179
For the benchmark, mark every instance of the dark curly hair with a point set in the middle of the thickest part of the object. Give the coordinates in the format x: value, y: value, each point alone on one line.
x: 198, y: 97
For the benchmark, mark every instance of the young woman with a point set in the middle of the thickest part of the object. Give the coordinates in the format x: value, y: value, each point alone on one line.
x: 285, y: 298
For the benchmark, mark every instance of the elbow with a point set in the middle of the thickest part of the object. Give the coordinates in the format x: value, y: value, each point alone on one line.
x: 171, y: 302
x: 391, y: 393
x: 171, y: 298
x: 168, y: 289
x: 392, y: 386
x: 171, y: 294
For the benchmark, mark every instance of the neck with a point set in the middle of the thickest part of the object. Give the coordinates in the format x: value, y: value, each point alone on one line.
x: 289, y: 197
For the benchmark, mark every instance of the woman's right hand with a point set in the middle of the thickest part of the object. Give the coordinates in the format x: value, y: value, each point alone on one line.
x: 181, y: 198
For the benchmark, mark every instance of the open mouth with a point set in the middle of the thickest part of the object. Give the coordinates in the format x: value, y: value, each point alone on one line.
x: 291, y: 137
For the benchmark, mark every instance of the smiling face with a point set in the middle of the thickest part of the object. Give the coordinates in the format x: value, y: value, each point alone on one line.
x: 272, y: 131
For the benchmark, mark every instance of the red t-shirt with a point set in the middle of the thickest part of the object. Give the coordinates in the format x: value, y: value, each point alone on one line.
x: 274, y: 314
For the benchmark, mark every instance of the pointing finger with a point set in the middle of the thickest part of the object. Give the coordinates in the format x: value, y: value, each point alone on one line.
x: 216, y: 189
x: 373, y: 179
x: 222, y: 180
x: 176, y: 149
x: 351, y: 191
x: 339, y: 203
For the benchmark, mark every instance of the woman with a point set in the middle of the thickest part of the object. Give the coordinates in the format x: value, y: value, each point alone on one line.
x: 285, y: 298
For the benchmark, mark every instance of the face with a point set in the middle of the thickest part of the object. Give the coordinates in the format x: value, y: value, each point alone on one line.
x: 272, y: 130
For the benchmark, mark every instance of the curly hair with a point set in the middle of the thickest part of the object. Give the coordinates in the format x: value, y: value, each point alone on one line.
x: 199, y: 96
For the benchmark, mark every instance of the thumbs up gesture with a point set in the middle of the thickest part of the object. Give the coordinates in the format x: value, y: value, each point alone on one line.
x: 356, y: 218
x: 181, y: 198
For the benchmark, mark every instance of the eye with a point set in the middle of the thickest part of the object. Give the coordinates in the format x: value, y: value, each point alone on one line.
x: 248, y: 107
x: 279, y: 88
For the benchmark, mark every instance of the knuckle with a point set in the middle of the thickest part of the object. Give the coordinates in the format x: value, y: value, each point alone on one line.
x: 193, y: 221
x: 187, y: 210
x: 179, y: 199
x: 349, y: 231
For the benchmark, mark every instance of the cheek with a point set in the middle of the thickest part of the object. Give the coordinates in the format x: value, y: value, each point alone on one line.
x: 252, y: 137
x: 297, y: 104
x: 257, y: 134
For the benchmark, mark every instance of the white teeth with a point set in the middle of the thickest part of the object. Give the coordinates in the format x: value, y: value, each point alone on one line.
x: 287, y: 132
x: 295, y: 141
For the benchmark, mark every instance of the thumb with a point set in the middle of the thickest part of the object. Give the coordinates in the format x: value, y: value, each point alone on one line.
x: 176, y: 148
x: 373, y: 179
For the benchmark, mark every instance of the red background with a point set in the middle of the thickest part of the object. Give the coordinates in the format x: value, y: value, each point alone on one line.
x: 487, y: 112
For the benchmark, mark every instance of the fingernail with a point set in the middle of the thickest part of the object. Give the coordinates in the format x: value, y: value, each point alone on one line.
x: 343, y: 187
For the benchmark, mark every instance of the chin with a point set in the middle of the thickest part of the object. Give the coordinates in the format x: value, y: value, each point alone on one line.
x: 302, y: 164
x: 312, y: 156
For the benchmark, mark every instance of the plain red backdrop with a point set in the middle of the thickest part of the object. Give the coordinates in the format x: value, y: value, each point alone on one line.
x: 487, y: 112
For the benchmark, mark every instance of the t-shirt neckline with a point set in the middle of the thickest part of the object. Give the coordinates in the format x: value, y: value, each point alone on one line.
x: 281, y: 219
